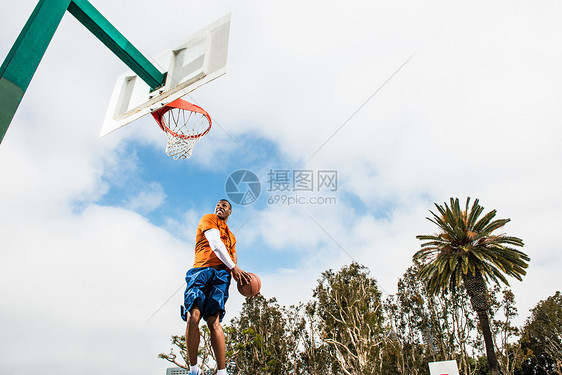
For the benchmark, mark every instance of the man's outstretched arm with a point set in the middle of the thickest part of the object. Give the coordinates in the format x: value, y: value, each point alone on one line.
x: 216, y: 244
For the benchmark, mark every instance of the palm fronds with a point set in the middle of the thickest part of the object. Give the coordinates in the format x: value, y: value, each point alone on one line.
x: 466, y: 245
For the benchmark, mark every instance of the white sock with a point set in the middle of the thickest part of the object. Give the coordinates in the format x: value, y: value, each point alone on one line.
x: 222, y: 372
x: 194, y: 369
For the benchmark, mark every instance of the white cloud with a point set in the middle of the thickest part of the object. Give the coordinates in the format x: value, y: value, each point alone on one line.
x: 88, y: 280
x: 147, y: 200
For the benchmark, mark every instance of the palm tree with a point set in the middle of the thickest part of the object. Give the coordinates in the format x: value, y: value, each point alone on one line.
x: 465, y: 250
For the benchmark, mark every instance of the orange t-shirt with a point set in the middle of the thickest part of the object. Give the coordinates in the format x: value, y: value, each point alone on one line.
x: 204, y: 255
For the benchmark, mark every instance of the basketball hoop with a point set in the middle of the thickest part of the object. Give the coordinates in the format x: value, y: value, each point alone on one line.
x: 184, y: 124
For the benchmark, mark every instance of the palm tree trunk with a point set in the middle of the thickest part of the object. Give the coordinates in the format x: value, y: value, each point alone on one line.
x: 476, y: 289
x: 488, y: 340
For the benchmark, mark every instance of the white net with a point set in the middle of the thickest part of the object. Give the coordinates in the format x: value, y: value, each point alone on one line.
x: 184, y: 129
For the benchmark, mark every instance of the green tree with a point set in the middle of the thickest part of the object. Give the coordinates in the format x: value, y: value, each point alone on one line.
x: 346, y: 310
x: 542, y: 336
x: 205, y: 354
x: 430, y: 327
x: 502, y: 313
x: 259, y: 341
x: 467, y: 251
x: 178, y: 342
x: 313, y: 357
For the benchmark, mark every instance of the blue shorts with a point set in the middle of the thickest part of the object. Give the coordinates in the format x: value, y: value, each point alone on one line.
x: 207, y: 288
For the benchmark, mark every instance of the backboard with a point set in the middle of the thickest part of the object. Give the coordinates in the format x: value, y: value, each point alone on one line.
x: 193, y: 63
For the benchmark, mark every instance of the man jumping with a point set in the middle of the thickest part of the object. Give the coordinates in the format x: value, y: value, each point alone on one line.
x: 208, y: 282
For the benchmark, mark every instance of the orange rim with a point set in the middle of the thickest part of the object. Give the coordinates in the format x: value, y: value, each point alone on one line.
x: 185, y: 105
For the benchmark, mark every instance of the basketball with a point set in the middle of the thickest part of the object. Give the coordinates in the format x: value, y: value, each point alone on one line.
x: 252, y: 288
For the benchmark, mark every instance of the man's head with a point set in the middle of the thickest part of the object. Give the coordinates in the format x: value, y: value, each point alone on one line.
x: 223, y: 209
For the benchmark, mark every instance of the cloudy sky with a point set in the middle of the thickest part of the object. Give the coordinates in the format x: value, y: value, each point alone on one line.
x: 408, y: 103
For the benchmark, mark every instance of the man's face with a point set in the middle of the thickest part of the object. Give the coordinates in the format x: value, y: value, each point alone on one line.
x: 223, y: 210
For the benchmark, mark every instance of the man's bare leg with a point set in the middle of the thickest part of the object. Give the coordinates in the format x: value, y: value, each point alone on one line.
x: 217, y: 340
x: 192, y: 334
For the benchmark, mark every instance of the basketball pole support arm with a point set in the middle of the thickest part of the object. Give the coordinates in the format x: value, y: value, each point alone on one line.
x: 28, y: 50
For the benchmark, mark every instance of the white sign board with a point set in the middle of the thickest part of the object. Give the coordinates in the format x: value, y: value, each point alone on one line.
x: 443, y: 368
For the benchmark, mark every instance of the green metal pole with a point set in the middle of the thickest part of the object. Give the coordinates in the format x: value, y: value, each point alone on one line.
x: 26, y: 53
x: 116, y: 42
x: 24, y: 57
